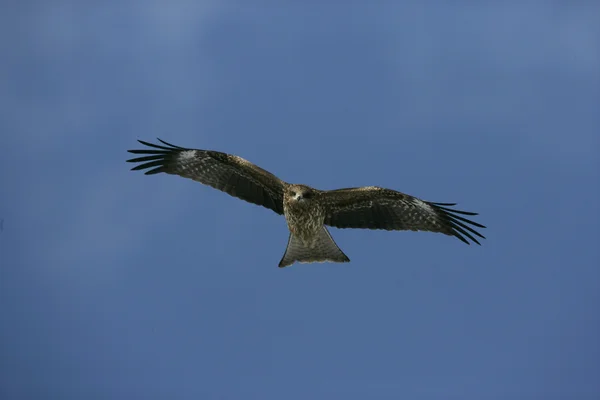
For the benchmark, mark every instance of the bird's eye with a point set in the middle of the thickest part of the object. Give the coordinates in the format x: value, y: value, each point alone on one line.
x: 293, y: 193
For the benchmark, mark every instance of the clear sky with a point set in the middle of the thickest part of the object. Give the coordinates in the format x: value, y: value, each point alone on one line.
x: 118, y: 285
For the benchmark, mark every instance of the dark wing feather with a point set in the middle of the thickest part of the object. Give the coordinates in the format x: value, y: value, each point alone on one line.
x: 228, y: 173
x: 378, y: 208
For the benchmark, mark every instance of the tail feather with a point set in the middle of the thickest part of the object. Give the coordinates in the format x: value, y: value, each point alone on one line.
x: 325, y: 249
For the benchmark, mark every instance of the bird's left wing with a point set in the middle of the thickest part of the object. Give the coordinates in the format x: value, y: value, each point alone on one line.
x: 226, y: 172
x: 378, y: 208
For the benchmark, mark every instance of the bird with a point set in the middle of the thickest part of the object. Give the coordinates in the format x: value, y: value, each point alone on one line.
x: 307, y: 210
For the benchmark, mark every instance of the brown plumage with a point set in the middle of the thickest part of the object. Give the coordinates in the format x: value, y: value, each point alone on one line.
x: 307, y: 210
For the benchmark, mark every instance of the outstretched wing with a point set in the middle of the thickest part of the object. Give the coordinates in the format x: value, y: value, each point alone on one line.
x: 228, y: 173
x: 378, y: 208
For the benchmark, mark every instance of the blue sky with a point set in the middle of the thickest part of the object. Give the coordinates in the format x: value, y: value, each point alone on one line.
x: 114, y: 284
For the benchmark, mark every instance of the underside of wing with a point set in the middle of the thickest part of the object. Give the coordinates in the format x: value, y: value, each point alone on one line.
x: 378, y: 208
x: 228, y: 173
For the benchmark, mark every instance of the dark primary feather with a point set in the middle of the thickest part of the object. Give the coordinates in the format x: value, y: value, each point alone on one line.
x: 379, y: 208
x: 228, y: 173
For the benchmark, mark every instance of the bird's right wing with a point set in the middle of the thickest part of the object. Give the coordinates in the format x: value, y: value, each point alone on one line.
x: 228, y: 173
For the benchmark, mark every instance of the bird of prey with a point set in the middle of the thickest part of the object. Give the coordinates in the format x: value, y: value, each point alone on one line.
x: 307, y: 210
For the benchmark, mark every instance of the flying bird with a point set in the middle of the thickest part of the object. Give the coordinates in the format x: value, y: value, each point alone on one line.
x: 307, y: 210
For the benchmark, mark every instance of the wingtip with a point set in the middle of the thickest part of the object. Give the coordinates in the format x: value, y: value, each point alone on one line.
x: 144, y: 142
x: 169, y: 144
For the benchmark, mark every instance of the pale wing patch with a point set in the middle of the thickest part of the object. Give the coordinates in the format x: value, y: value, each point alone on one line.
x: 424, y: 206
x: 187, y: 155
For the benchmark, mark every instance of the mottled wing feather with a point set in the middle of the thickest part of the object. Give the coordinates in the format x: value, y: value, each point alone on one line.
x: 228, y: 173
x: 378, y: 208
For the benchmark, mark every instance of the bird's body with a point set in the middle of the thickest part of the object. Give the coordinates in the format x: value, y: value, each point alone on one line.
x: 309, y: 239
x: 307, y: 210
x: 304, y: 217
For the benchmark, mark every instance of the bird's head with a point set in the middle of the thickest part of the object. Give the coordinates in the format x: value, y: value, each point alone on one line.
x: 300, y: 193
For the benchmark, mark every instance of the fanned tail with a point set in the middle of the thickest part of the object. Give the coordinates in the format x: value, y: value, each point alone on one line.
x: 325, y: 249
